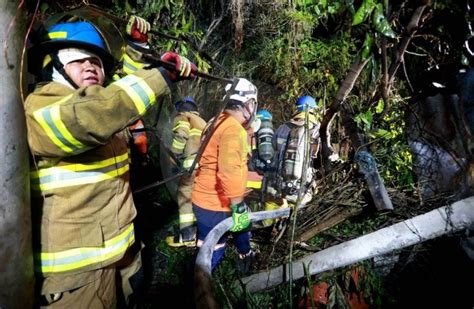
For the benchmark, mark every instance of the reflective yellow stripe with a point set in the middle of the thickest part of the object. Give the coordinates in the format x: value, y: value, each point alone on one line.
x: 57, y: 35
x: 79, y: 174
x: 129, y: 65
x: 54, y: 262
x: 187, y: 218
x: 195, y: 132
x: 49, y: 118
x: 302, y: 115
x: 46, y: 60
x: 127, y: 70
x: 182, y: 124
x: 254, y: 184
x: 178, y: 145
x: 138, y: 90
x: 188, y: 162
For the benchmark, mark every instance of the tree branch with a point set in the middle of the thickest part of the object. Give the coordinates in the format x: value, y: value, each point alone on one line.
x: 343, y: 92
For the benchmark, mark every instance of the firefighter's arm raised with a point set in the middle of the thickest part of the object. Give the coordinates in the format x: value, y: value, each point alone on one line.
x: 75, y: 121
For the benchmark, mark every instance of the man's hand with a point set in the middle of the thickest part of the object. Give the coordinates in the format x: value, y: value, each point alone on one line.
x: 240, y: 216
x: 184, y: 69
x: 137, y: 29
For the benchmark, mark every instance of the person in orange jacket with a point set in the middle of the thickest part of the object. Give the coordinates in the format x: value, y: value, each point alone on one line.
x: 220, y: 182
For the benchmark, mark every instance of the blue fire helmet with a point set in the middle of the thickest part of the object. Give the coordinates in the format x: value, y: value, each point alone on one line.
x: 263, y: 114
x: 79, y: 34
x: 305, y: 103
x: 186, y: 104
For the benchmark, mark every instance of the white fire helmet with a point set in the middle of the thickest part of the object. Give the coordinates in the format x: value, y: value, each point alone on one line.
x: 243, y: 92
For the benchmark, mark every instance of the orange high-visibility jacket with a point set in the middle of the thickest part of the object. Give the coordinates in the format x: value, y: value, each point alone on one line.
x: 222, y: 172
x: 81, y: 198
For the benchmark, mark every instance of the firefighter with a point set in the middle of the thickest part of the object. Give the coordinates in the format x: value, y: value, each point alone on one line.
x: 82, y: 205
x: 287, y: 167
x: 219, y: 185
x: 187, y: 130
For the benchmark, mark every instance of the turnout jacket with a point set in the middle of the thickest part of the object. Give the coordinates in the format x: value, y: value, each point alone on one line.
x: 81, y: 199
x: 222, y: 172
x: 187, y: 130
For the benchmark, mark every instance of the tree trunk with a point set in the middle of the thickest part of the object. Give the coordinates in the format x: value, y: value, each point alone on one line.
x: 16, y: 260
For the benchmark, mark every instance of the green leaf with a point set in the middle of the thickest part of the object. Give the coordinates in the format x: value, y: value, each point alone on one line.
x: 363, y: 12
x: 44, y: 7
x: 368, y: 117
x: 380, y: 106
x: 365, y: 119
x: 128, y: 7
x: 367, y: 46
x: 380, y: 22
x: 382, y: 133
x: 317, y: 10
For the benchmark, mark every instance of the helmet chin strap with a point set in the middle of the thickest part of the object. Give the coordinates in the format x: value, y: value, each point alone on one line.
x: 249, y: 117
x: 58, y: 65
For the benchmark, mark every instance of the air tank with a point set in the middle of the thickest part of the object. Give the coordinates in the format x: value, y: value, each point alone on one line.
x: 264, y: 141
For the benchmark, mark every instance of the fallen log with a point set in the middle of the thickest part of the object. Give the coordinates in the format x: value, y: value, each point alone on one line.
x: 435, y: 223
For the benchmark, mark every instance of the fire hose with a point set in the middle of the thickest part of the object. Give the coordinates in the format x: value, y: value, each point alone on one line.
x: 202, y: 270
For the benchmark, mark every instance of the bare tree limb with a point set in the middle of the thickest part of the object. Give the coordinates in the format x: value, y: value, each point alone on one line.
x: 343, y: 92
x: 412, y: 27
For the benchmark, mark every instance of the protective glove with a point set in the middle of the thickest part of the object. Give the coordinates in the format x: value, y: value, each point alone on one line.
x: 240, y: 216
x: 184, y: 69
x: 137, y: 29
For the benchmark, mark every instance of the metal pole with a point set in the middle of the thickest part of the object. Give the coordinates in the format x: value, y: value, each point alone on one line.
x: 16, y: 259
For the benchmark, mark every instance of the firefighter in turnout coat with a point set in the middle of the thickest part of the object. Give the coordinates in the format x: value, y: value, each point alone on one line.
x: 187, y: 130
x: 82, y: 203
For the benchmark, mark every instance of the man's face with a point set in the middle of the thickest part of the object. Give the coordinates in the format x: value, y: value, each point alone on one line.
x: 86, y: 72
x: 250, y: 108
